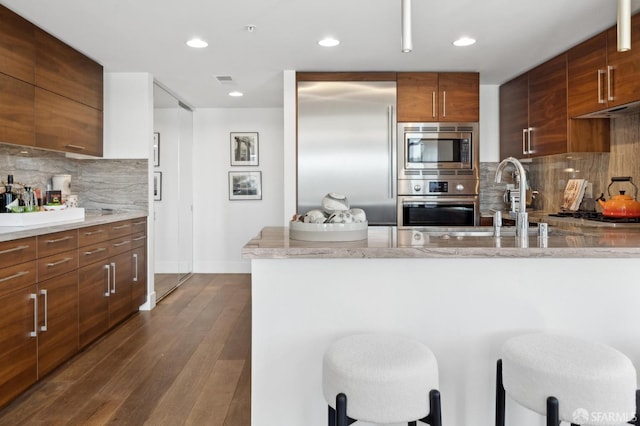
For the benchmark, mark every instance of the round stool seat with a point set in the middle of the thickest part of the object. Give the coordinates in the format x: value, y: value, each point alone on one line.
x: 386, y: 378
x: 594, y: 383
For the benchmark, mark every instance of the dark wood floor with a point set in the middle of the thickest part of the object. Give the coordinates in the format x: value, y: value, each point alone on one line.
x: 187, y: 362
x: 165, y: 283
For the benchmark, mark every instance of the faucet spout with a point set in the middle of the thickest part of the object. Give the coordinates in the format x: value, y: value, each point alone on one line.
x: 522, y: 219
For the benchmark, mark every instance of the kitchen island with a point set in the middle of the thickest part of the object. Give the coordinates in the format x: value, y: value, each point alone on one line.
x: 462, y: 296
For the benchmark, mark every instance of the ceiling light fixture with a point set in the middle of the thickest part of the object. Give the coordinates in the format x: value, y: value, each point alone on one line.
x: 407, y: 42
x: 464, y: 41
x: 236, y: 94
x: 329, y: 42
x: 624, y: 25
x: 197, y: 43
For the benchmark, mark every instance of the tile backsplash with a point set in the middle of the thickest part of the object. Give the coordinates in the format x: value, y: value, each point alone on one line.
x: 549, y: 175
x: 99, y: 183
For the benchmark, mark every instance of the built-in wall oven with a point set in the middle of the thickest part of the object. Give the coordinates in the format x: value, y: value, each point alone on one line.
x: 438, y: 174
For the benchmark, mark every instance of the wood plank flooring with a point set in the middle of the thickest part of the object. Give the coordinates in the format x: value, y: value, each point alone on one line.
x: 187, y: 362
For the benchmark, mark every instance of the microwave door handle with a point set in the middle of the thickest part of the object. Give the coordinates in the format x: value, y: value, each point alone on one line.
x: 390, y: 148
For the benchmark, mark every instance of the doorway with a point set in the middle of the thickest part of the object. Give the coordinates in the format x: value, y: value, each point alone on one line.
x: 173, y: 190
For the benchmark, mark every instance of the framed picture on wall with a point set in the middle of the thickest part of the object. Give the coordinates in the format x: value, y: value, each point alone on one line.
x: 245, y: 186
x: 157, y: 186
x: 244, y: 149
x: 156, y: 149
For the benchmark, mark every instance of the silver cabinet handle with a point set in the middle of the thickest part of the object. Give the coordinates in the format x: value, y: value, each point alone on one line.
x: 59, y: 240
x: 98, y: 250
x: 59, y: 262
x: 78, y: 147
x: 433, y: 104
x: 94, y: 232
x: 140, y: 223
x: 46, y: 309
x: 122, y: 243
x: 16, y: 275
x: 34, y: 333
x: 444, y: 103
x: 11, y: 250
x: 108, y: 268
x: 113, y: 278
x: 139, y: 238
x: 600, y: 76
x: 524, y: 144
x: 126, y: 225
x: 135, y: 257
x: 529, y: 150
x: 609, y: 85
x: 390, y: 126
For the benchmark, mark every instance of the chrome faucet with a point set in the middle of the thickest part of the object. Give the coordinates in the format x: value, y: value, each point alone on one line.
x: 522, y: 218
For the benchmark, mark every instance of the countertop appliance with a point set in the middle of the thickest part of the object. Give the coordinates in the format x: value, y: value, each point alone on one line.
x: 347, y: 145
x: 438, y: 174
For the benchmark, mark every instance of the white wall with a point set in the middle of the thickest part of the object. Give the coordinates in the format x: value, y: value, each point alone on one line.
x: 223, y: 227
x: 128, y: 115
x: 490, y: 123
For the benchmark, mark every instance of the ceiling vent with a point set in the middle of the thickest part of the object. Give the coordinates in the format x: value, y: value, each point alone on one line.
x: 224, y: 79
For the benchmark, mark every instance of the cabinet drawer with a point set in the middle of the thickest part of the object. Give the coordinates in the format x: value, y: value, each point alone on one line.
x: 119, y: 229
x: 138, y: 225
x: 57, y: 264
x: 139, y: 239
x: 93, y: 253
x: 92, y: 235
x: 57, y: 243
x: 17, y: 251
x: 120, y: 245
x: 17, y: 276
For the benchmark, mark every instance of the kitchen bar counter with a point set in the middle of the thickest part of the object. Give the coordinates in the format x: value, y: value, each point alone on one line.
x: 8, y: 233
x: 462, y: 297
x: 389, y: 242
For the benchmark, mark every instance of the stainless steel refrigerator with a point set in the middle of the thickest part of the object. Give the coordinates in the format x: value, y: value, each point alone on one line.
x: 347, y: 144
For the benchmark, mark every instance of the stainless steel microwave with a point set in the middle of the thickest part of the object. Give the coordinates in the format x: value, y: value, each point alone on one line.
x: 437, y: 146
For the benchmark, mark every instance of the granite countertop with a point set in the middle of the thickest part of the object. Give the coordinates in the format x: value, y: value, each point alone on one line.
x: 389, y: 242
x: 8, y: 233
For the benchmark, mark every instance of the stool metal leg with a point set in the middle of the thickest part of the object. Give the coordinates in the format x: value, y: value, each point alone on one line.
x: 636, y: 419
x: 553, y: 416
x: 332, y: 416
x: 341, y: 410
x: 434, y: 418
x: 499, y: 395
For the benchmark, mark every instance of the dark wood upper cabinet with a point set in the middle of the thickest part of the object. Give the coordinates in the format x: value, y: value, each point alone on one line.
x: 16, y: 111
x: 599, y: 76
x: 67, y: 72
x: 17, y: 46
x: 65, y: 125
x: 433, y: 97
x: 624, y: 67
x: 534, y: 119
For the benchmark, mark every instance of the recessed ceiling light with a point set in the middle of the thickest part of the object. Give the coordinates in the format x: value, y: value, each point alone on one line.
x: 329, y: 42
x: 236, y: 94
x: 464, y: 41
x: 197, y: 43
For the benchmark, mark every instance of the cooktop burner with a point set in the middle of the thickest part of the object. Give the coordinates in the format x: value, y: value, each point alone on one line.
x: 597, y: 217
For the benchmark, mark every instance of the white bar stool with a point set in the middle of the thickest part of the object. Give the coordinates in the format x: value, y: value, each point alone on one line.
x: 567, y: 380
x: 381, y: 378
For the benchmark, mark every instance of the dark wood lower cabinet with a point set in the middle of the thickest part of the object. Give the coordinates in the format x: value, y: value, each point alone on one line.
x: 57, y: 303
x: 18, y: 348
x: 57, y: 321
x: 94, y: 291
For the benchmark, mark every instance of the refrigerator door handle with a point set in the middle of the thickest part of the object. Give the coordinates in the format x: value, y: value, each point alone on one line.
x: 390, y: 127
